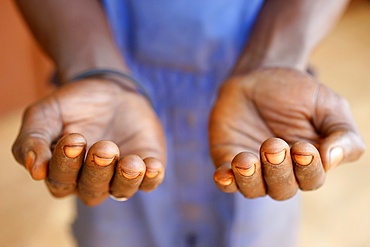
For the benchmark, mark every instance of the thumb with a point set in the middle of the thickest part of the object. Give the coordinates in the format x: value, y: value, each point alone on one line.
x: 340, y: 147
x: 41, y: 125
x: 341, y: 141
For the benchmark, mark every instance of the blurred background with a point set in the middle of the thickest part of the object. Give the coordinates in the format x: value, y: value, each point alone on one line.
x: 336, y: 215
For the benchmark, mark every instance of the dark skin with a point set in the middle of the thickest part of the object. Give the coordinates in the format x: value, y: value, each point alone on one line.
x: 268, y: 95
x: 70, y: 150
x: 313, y: 124
x: 274, y: 128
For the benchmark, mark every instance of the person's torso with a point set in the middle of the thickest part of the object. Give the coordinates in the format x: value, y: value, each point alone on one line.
x: 191, y: 36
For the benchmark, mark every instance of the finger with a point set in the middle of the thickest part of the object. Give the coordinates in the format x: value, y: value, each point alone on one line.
x: 224, y: 179
x: 129, y: 174
x: 40, y: 126
x: 154, y: 174
x: 65, y: 164
x: 97, y: 172
x: 308, y: 168
x: 277, y: 169
x: 340, y: 147
x: 342, y: 141
x: 248, y: 175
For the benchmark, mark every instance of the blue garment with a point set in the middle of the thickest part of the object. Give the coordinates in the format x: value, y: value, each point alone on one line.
x: 182, y: 51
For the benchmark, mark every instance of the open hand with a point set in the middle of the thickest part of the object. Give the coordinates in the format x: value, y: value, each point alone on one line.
x: 274, y: 131
x: 117, y: 128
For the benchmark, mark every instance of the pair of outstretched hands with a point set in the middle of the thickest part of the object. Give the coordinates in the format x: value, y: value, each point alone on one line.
x: 272, y: 132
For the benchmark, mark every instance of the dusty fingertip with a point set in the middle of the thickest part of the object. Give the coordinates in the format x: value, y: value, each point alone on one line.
x: 224, y: 178
x: 274, y: 150
x: 104, y: 153
x: 153, y: 167
x: 245, y: 164
x: 131, y: 166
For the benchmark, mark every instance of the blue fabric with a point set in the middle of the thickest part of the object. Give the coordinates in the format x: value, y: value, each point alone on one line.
x: 182, y: 51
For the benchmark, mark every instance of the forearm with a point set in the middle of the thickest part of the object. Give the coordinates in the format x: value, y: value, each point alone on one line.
x: 286, y: 32
x: 75, y: 34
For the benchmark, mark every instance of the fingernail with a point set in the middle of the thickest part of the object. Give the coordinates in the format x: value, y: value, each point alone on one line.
x: 302, y: 159
x: 130, y: 174
x: 102, y: 161
x: 73, y: 151
x: 150, y: 173
x: 275, y: 158
x: 122, y: 199
x: 336, y: 156
x: 225, y: 181
x: 246, y: 172
x: 29, y: 160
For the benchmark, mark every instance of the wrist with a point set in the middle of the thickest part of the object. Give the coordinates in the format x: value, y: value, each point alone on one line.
x: 278, y: 58
x: 286, y: 32
x: 93, y: 56
x: 122, y: 78
x: 271, y: 48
